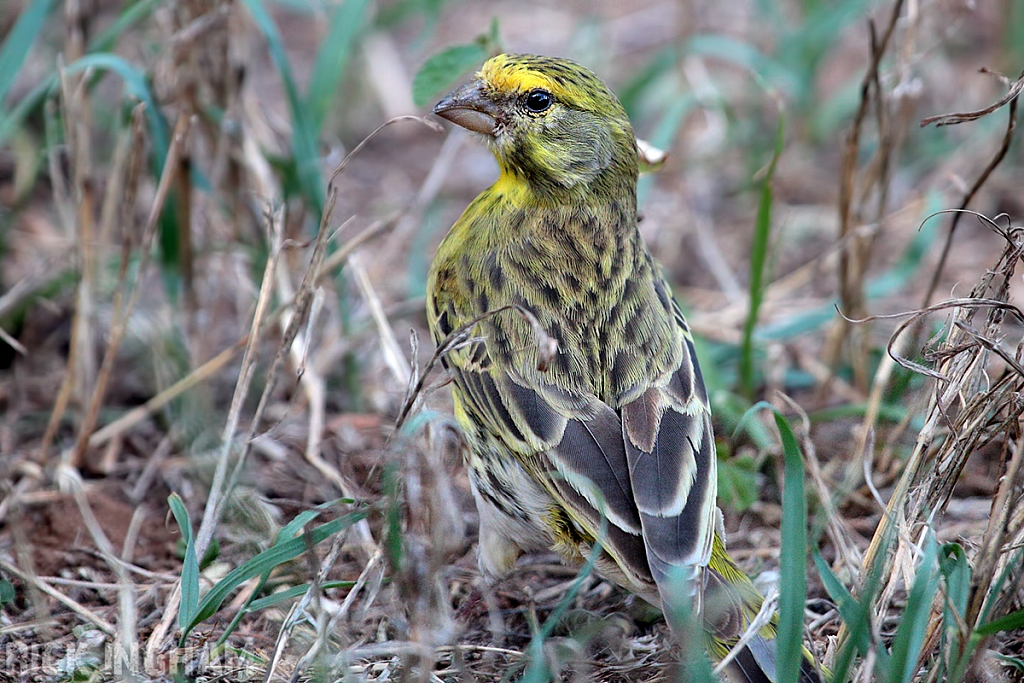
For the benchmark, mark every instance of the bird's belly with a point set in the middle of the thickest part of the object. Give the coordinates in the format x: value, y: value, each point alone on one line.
x: 512, y: 504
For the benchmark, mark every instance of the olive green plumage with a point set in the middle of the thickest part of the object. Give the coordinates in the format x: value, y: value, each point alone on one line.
x: 613, y: 435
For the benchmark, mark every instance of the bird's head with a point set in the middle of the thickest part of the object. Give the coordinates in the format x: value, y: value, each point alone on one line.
x: 551, y: 123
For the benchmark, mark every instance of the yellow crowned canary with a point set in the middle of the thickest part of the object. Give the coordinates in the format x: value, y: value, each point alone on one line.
x: 610, y: 438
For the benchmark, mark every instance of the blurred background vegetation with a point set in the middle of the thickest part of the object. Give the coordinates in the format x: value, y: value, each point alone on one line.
x: 199, y: 298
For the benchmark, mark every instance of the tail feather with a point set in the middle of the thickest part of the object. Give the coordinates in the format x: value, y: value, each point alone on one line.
x: 745, y: 668
x: 731, y: 604
x: 755, y: 663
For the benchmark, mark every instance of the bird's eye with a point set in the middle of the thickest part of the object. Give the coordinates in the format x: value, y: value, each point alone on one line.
x: 539, y: 101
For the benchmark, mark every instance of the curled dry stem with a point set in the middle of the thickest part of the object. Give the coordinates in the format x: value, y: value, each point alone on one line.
x: 1012, y: 99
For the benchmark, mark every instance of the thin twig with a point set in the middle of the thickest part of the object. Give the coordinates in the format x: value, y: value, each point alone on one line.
x: 1004, y: 147
x: 547, y: 348
x: 193, y: 379
x: 853, y: 257
x: 214, y: 503
x: 1016, y: 87
x: 393, y: 357
x: 760, y: 620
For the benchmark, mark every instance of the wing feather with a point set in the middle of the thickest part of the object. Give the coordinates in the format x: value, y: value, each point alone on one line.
x: 584, y: 452
x: 673, y: 469
x: 591, y: 457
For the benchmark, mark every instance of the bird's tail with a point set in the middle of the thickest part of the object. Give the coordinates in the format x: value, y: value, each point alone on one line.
x: 755, y: 663
x: 731, y: 603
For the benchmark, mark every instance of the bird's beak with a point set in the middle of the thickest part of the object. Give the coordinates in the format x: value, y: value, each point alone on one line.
x: 470, y: 107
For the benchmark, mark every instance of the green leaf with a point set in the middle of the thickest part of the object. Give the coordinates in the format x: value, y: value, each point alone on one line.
x: 331, y: 57
x: 7, y: 592
x: 1010, y: 622
x: 913, y: 626
x: 737, y: 482
x: 19, y: 41
x: 190, y: 568
x: 442, y: 70
x: 293, y: 592
x: 855, y: 615
x: 277, y: 554
x: 136, y: 85
x: 956, y: 574
x: 792, y: 558
x: 304, y: 137
x: 758, y: 259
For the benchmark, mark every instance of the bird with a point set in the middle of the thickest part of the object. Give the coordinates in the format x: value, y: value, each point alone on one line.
x: 575, y: 380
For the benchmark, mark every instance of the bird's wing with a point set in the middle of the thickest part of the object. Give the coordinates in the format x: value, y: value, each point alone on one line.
x: 573, y: 439
x: 649, y: 473
x: 670, y: 452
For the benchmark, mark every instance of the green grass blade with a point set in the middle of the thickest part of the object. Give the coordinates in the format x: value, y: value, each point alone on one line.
x: 757, y: 432
x: 956, y: 576
x: 441, y: 71
x: 1013, y: 29
x: 9, y: 122
x: 537, y: 670
x: 737, y: 481
x: 687, y: 629
x: 1015, y: 663
x: 856, y: 615
x: 1010, y: 622
x: 792, y: 558
x: 268, y: 559
x: 7, y: 592
x: 997, y: 587
x: 290, y: 593
x: 243, y: 610
x: 136, y: 85
x: 287, y: 531
x: 189, y: 570
x: 293, y: 527
x: 845, y: 603
x: 665, y: 61
x: 906, y: 646
x: 304, y: 138
x: 758, y: 259
x: 19, y: 41
x: 331, y: 58
x: 802, y: 49
x: 888, y: 283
